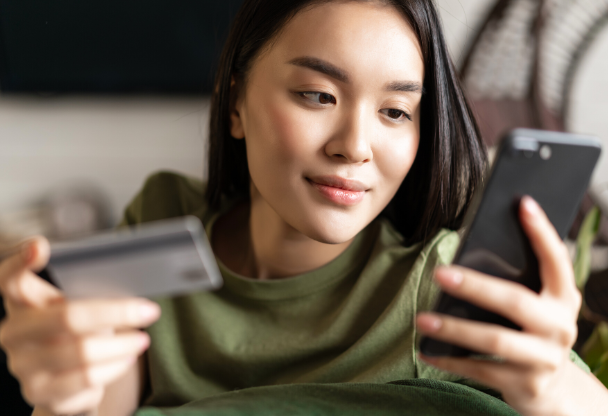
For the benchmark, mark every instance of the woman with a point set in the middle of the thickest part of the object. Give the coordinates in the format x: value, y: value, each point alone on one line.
x: 342, y: 153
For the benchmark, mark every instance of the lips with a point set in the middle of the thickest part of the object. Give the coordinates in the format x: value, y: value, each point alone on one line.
x: 339, y: 190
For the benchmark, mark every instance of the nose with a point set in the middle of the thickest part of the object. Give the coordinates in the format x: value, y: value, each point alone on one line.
x: 352, y: 143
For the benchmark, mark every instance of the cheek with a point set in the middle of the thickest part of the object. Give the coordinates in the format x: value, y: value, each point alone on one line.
x: 281, y: 130
x: 395, y: 160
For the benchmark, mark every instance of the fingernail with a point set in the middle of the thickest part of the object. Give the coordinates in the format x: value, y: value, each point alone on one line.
x: 448, y: 277
x: 149, y: 311
x: 530, y: 205
x: 428, y: 323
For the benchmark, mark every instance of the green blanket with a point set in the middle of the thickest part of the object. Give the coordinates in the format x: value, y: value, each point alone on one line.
x: 420, y: 397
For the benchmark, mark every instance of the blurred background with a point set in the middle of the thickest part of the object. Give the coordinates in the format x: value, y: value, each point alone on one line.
x: 96, y: 95
x: 84, y: 119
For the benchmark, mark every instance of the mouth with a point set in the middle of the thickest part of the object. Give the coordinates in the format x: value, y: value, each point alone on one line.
x: 338, y: 190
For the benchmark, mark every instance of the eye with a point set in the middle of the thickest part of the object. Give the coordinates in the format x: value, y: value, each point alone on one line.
x: 395, y: 114
x: 319, y: 97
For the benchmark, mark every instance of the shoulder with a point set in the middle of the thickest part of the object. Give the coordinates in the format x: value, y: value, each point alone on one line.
x: 439, y: 249
x: 418, y: 261
x: 165, y: 195
x: 442, y: 248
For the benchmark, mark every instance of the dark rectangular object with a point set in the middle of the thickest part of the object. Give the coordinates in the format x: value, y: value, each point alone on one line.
x: 111, y: 46
x: 495, y: 243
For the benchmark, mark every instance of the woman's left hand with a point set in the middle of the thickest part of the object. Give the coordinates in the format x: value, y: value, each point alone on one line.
x: 535, y: 375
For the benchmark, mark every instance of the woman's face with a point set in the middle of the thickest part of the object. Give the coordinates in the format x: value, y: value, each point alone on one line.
x: 330, y: 113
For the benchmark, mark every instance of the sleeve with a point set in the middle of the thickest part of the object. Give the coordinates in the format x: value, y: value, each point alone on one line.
x: 440, y: 251
x: 574, y: 357
x: 165, y: 195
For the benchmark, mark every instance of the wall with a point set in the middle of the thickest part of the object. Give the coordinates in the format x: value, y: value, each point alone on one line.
x: 48, y: 144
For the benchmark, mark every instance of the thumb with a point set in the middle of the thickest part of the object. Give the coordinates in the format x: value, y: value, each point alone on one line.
x: 18, y: 284
x: 36, y: 253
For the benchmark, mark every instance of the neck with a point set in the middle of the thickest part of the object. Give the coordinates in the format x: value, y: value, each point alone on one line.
x: 261, y: 245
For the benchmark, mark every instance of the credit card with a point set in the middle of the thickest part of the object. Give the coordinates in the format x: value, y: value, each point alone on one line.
x: 163, y: 258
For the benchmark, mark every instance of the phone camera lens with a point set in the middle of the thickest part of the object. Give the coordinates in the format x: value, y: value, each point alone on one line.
x: 545, y: 152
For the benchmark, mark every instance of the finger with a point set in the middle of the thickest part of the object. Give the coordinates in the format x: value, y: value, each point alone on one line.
x: 29, y: 290
x: 491, y: 373
x: 77, y: 353
x: 80, y: 317
x: 80, y: 403
x: 38, y: 253
x: 515, y: 382
x: 509, y: 299
x: 514, y: 346
x: 48, y: 387
x: 33, y: 255
x: 554, y: 260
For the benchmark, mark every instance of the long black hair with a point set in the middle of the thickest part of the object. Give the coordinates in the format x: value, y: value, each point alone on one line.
x: 451, y: 158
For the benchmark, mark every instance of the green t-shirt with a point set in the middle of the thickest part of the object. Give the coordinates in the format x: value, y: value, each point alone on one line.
x: 350, y: 321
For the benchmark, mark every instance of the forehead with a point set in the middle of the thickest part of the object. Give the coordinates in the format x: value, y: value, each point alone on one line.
x: 363, y: 38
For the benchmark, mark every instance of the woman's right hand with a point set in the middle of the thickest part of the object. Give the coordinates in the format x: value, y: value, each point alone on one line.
x: 64, y: 352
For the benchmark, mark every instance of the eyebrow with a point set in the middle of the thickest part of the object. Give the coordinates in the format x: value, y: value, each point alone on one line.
x: 405, y: 86
x: 333, y: 71
x: 322, y: 66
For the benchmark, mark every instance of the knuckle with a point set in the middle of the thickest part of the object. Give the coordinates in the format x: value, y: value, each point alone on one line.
x: 14, y: 364
x: 78, y: 403
x: 5, y: 334
x: 127, y: 313
x: 59, y: 407
x: 86, y: 376
x: 56, y: 408
x: 32, y: 390
x: 531, y: 388
x: 82, y: 348
x: 16, y: 286
x: 28, y: 393
x: 568, y: 335
x: 122, y: 313
x: 534, y: 387
x: 498, y: 344
x: 69, y: 317
x: 518, y: 303
x: 553, y: 362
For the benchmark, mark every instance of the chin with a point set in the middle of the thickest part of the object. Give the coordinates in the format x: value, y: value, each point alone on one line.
x: 331, y: 229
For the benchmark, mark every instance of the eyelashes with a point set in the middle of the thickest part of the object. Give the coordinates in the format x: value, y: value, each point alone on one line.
x: 395, y: 114
x: 324, y: 99
x: 319, y: 97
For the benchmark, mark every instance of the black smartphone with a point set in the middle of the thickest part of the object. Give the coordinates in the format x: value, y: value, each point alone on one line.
x: 554, y: 169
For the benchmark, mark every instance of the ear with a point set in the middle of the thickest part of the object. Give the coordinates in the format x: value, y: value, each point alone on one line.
x: 236, y: 123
